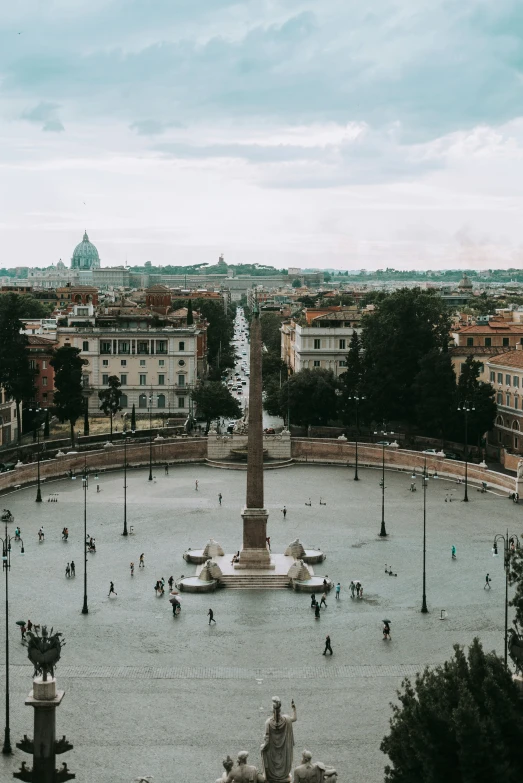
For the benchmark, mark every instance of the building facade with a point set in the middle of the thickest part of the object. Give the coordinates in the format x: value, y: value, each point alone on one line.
x: 8, y: 426
x: 506, y: 376
x: 41, y: 352
x: 157, y: 367
x: 321, y: 340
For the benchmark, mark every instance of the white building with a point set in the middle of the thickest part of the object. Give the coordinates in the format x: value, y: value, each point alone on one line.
x: 8, y: 425
x: 320, y: 340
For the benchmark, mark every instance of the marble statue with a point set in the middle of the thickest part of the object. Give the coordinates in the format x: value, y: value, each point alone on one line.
x: 313, y: 772
x: 295, y: 549
x: 278, y: 743
x: 299, y: 571
x: 44, y: 651
x: 520, y: 469
x: 240, y: 772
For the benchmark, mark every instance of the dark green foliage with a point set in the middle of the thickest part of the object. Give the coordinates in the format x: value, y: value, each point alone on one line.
x: 110, y: 399
x: 459, y: 723
x: 16, y: 375
x: 29, y: 307
x: 480, y: 396
x: 190, y: 317
x: 133, y: 418
x: 352, y: 383
x: 86, y: 420
x: 270, y: 329
x: 46, y: 424
x: 516, y: 578
x: 68, y: 398
x: 435, y: 394
x: 407, y: 325
x: 296, y: 283
x: 311, y: 396
x: 212, y: 400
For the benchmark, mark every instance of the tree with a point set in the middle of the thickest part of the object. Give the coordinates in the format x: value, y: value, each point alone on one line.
x: 311, y: 396
x: 435, y: 393
x: 296, y: 283
x: 406, y: 326
x: 68, y: 397
x: 273, y: 368
x: 110, y: 399
x: 16, y: 374
x: 190, y: 317
x: 86, y: 419
x: 480, y: 397
x: 352, y: 379
x: 270, y: 324
x: 327, y: 277
x: 133, y: 419
x: 29, y: 306
x: 46, y: 423
x: 460, y: 723
x: 212, y: 400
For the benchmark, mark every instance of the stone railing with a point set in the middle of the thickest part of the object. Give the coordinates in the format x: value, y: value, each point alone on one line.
x: 108, y: 458
x: 342, y: 452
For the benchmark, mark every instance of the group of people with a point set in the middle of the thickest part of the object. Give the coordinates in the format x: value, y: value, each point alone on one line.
x: 356, y: 587
x: 28, y: 627
x: 65, y: 534
x: 70, y: 569
x: 91, y: 544
x: 317, y: 606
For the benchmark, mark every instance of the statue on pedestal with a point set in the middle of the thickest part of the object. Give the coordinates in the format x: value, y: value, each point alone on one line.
x: 313, y: 772
x: 277, y: 747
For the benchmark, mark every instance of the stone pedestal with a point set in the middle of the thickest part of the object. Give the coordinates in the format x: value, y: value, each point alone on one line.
x: 255, y: 553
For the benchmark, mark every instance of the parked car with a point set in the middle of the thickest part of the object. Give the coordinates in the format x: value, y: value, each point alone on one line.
x: 5, y: 466
x: 382, y: 443
x: 451, y: 455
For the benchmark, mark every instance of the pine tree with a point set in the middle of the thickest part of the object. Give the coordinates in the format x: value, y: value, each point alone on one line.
x: 68, y: 398
x: 16, y: 374
x: 110, y: 399
x: 86, y: 419
x: 133, y: 419
x: 190, y: 317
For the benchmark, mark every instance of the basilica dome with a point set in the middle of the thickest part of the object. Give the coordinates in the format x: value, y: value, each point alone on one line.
x: 85, y: 255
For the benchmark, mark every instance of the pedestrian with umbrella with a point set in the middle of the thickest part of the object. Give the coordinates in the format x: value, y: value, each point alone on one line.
x: 176, y: 605
x: 22, y: 626
x: 386, y: 630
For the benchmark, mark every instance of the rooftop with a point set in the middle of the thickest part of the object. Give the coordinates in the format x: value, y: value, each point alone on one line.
x: 510, y: 359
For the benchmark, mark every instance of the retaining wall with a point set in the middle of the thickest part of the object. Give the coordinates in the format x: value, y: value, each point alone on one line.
x: 219, y: 446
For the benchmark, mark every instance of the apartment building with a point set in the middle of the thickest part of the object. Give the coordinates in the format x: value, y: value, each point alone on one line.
x: 158, y: 364
x: 320, y: 338
x: 8, y: 426
x: 506, y: 375
x: 41, y: 352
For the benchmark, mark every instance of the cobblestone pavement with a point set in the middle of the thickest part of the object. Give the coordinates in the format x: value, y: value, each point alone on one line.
x: 147, y: 693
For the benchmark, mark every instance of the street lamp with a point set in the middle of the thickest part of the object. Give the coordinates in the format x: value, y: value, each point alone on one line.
x: 151, y: 397
x: 125, y: 486
x: 506, y: 562
x: 383, y: 532
x: 85, y: 484
x: 466, y: 408
x: 424, y: 609
x: 38, y: 498
x: 356, y: 399
x: 6, y: 565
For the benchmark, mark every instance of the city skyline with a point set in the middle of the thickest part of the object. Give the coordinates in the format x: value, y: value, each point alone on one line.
x: 287, y: 133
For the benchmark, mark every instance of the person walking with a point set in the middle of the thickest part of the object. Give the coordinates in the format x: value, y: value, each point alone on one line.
x: 488, y: 580
x: 111, y: 590
x: 338, y: 588
x: 327, y: 645
x: 386, y: 631
x: 68, y: 571
x: 131, y: 566
x: 166, y: 469
x: 170, y: 582
x: 313, y: 600
x: 316, y: 610
x: 196, y: 485
x: 323, y: 601
x: 73, y: 571
x: 220, y: 498
x: 352, y: 588
x: 268, y: 542
x: 141, y: 564
x: 284, y: 511
x: 210, y: 615
x: 453, y: 552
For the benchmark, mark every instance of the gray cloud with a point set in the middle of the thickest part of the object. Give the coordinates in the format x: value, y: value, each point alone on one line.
x: 46, y: 115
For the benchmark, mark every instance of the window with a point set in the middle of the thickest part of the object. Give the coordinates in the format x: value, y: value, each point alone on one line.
x: 142, y: 362
x: 515, y: 381
x: 123, y: 379
x: 161, y: 380
x: 32, y: 364
x: 161, y: 400
x: 516, y: 403
x: 44, y: 396
x: 492, y: 376
x: 508, y: 378
x: 161, y: 362
x: 123, y: 400
x: 500, y: 377
x: 181, y: 363
x: 143, y: 380
x: 317, y: 344
x: 508, y: 399
x: 85, y: 345
x: 181, y: 347
x: 143, y: 346
x: 44, y: 381
x: 181, y: 380
x: 105, y: 379
x: 488, y: 342
x: 124, y: 346
x: 142, y: 401
x: 123, y: 362
x: 342, y: 345
x: 44, y: 364
x: 470, y: 341
x: 85, y: 381
x: 105, y: 362
x: 105, y: 346
x: 317, y: 363
x: 505, y: 342
x: 181, y: 402
x: 515, y: 443
x: 342, y: 363
x: 499, y: 398
x: 161, y: 346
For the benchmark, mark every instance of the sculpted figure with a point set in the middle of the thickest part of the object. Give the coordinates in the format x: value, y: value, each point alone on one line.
x: 520, y: 469
x: 309, y: 772
x: 278, y: 743
x: 241, y: 772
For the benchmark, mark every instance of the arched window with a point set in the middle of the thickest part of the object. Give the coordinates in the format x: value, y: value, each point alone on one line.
x: 78, y: 299
x: 142, y: 401
x: 123, y: 400
x: 499, y: 420
x: 515, y: 425
x: 161, y: 400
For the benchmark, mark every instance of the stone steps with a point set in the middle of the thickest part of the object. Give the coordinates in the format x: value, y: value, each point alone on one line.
x: 255, y: 581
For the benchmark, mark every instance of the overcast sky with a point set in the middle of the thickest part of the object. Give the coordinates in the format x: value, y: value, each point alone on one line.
x: 332, y: 133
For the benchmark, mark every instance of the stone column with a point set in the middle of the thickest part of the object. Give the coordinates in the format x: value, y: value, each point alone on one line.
x: 255, y: 553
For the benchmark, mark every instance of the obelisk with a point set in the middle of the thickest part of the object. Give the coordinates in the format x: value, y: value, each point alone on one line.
x: 255, y: 553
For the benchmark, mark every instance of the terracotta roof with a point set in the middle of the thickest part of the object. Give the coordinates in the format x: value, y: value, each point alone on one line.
x: 35, y: 339
x: 480, y: 350
x: 510, y: 359
x: 492, y: 328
